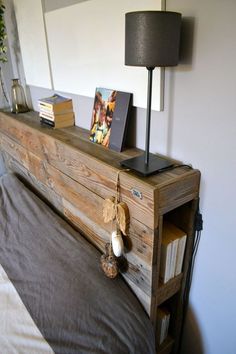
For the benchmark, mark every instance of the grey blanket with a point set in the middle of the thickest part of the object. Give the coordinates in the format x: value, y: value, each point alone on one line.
x: 58, y: 277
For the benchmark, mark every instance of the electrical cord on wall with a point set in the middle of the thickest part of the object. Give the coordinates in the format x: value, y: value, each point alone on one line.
x: 198, y: 227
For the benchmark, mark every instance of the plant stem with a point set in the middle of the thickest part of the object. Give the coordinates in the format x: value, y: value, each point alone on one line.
x: 2, y: 86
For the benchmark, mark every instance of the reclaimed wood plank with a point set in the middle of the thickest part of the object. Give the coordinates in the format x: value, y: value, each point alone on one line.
x: 76, y: 175
x: 84, y: 209
x: 179, y: 192
x: 165, y: 291
x: 86, y: 169
x: 167, y: 346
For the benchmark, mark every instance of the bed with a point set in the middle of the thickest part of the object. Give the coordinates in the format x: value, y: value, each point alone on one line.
x: 50, y: 276
x: 52, y: 188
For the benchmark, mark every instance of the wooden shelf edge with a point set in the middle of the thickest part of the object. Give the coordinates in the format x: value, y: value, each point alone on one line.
x: 165, y: 291
x: 166, y: 346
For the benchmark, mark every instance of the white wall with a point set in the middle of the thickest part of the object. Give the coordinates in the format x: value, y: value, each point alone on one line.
x: 81, y: 47
x: 33, y: 42
x: 201, y: 111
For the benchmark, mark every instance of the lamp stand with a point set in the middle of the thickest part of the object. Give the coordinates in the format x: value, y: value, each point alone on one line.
x: 148, y: 163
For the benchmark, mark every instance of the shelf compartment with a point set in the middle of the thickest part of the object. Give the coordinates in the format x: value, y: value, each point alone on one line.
x: 167, y: 346
x: 165, y: 291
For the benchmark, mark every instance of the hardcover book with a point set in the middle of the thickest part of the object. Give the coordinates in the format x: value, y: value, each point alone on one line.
x: 56, y: 125
x: 57, y: 117
x: 110, y: 118
x: 182, y: 238
x: 55, y: 104
x: 172, y: 251
x: 163, y: 319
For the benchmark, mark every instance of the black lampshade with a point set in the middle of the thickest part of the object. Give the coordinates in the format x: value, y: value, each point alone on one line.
x: 152, y: 38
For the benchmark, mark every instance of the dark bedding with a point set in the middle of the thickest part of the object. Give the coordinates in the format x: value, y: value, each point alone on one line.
x: 76, y: 308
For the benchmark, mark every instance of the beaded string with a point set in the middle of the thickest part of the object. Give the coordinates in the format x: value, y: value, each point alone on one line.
x: 118, y: 184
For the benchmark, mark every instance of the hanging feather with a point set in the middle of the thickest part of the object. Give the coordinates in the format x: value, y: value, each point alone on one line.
x: 112, y: 210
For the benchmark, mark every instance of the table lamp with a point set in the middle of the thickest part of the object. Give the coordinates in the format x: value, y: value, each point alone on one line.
x: 152, y: 40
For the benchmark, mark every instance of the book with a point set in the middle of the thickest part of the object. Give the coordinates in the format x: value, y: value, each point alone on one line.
x: 57, y: 117
x: 182, y: 238
x: 53, y: 114
x: 163, y: 320
x: 55, y: 103
x: 120, y: 121
x: 110, y: 117
x: 174, y: 248
x: 180, y: 254
x: 169, y: 251
x: 55, y: 125
x: 165, y: 260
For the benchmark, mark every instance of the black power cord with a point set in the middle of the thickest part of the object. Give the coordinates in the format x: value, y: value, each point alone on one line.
x: 198, y: 227
x: 172, y: 167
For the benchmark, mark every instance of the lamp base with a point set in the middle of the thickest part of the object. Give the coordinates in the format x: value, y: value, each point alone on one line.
x: 156, y: 164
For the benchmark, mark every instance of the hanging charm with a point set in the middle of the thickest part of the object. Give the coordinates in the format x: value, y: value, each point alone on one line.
x: 118, y: 212
x: 109, y: 209
x: 109, y: 263
x: 117, y: 243
x: 122, y: 217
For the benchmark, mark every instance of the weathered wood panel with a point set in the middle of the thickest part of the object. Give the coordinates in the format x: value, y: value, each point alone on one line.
x: 180, y: 191
x: 75, y: 176
x: 45, y: 193
x: 84, y: 168
x: 166, y: 346
x: 165, y: 291
x: 84, y: 209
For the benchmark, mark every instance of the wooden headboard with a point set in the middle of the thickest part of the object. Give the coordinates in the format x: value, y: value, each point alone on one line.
x: 75, y: 176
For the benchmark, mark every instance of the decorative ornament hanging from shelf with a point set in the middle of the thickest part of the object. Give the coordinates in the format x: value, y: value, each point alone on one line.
x: 109, y: 262
x: 117, y: 212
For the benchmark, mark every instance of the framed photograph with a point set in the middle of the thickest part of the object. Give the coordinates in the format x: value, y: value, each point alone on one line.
x: 110, y: 118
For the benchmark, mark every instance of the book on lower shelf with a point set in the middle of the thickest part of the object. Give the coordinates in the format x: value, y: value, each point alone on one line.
x: 163, y: 320
x: 172, y: 251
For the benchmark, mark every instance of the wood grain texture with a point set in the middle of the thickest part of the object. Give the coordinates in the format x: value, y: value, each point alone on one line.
x: 84, y: 208
x: 167, y: 346
x: 83, y: 165
x: 75, y: 176
x: 169, y: 289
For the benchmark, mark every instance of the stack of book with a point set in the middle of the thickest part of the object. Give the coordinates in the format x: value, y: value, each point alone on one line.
x: 172, y: 251
x: 56, y: 111
x: 163, y: 320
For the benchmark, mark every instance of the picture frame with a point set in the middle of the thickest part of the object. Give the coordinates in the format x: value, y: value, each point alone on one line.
x: 111, y: 110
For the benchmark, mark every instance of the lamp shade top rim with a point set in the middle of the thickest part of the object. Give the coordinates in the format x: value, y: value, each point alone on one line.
x: 153, y: 11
